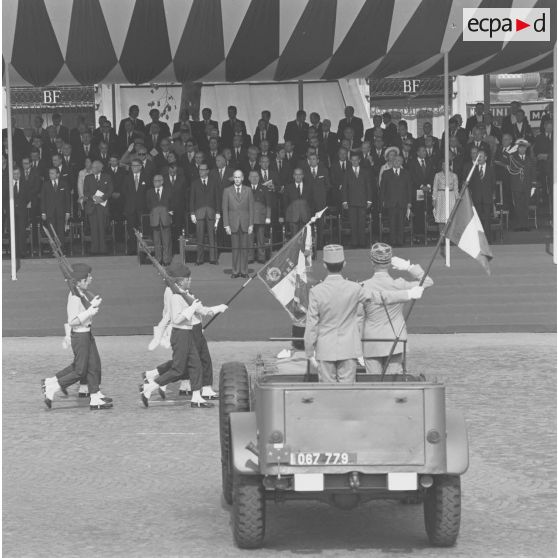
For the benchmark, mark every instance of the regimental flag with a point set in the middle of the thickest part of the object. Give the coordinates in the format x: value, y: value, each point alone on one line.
x: 465, y: 230
x: 288, y: 275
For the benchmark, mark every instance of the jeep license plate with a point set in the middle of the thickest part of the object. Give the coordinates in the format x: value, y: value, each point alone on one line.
x: 306, y: 458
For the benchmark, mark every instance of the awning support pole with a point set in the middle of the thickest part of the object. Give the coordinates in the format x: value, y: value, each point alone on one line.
x: 11, y: 174
x: 554, y: 170
x: 446, y: 148
x: 300, y: 95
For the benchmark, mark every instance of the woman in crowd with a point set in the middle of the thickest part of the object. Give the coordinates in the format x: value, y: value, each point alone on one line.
x: 81, y: 178
x: 439, y: 192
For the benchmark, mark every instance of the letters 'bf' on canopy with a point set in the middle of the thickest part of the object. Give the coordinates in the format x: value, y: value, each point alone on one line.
x: 140, y: 41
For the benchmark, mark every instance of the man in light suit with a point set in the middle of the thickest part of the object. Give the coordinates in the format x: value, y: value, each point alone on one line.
x: 97, y: 190
x: 383, y: 319
x: 332, y: 338
x: 158, y: 200
x: 205, y: 213
x: 238, y: 218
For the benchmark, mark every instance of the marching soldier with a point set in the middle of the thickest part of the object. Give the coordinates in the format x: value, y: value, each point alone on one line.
x: 332, y: 339
x: 81, y: 308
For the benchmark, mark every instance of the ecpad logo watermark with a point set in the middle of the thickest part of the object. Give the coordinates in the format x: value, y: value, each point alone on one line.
x: 503, y: 24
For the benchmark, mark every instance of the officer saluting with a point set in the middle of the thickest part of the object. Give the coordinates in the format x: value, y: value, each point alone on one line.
x: 332, y: 339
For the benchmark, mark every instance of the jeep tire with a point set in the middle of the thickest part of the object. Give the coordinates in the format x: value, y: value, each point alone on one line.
x: 248, y: 511
x: 442, y: 510
x: 234, y: 396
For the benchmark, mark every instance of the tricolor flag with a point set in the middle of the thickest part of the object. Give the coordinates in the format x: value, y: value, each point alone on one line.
x: 465, y: 230
x: 287, y: 275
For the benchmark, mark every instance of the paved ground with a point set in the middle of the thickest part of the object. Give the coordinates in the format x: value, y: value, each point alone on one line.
x: 146, y: 483
x: 520, y: 295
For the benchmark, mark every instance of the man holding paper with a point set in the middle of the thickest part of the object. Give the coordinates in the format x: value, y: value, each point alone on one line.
x: 97, y: 189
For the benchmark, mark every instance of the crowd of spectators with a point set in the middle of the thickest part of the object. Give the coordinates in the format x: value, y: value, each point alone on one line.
x: 365, y: 176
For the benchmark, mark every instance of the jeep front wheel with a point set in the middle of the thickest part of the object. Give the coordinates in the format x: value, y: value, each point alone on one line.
x: 248, y: 511
x: 442, y: 510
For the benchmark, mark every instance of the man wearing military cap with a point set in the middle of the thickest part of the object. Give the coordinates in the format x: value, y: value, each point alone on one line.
x: 382, y: 319
x: 332, y: 339
x: 81, y: 308
x: 523, y: 177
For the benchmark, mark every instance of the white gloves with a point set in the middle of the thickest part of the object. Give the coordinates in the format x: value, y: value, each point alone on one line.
x: 218, y: 309
x: 268, y: 221
x: 157, y: 334
x: 67, y: 341
x: 96, y: 302
x: 360, y: 360
x: 193, y: 219
x: 400, y: 264
x: 415, y: 293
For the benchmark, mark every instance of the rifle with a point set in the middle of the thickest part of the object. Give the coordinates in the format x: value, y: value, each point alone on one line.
x: 65, y: 266
x: 163, y: 272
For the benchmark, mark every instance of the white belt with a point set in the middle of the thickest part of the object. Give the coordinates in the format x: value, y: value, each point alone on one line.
x: 182, y: 327
x: 82, y: 329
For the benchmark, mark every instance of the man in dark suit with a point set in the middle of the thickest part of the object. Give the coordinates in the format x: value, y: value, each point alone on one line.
x: 272, y: 180
x: 97, y: 190
x: 55, y: 202
x: 212, y: 152
x: 316, y: 176
x: 239, y: 153
x: 251, y: 163
x: 491, y: 129
x: 176, y: 181
x: 26, y: 142
x: 375, y: 130
x: 482, y: 187
x: 390, y: 130
x: 116, y: 201
x: 356, y: 196
x: 544, y: 152
x: 262, y: 215
x: 427, y: 135
x: 396, y: 195
x: 521, y: 128
x: 107, y: 135
x: 137, y: 124
x: 458, y: 132
x: 272, y: 130
x: 339, y: 167
x: 127, y: 137
x: 103, y: 154
x: 422, y: 175
x: 238, y: 218
x: 378, y: 152
x: 510, y: 119
x: 200, y: 127
x: 404, y: 135
x: 298, y: 202
x: 353, y: 122
x: 32, y: 184
x: 85, y: 150
x: 22, y: 197
x: 261, y: 134
x: 296, y: 132
x: 433, y: 154
x: 477, y: 119
x: 228, y: 128
x: 161, y: 160
x: 158, y: 201
x: 135, y: 186
x: 184, y: 122
x: 330, y: 141
x: 205, y: 212
x: 153, y: 136
x: 478, y: 142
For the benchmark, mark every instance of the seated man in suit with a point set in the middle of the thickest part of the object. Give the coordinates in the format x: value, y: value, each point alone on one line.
x: 238, y: 218
x: 158, y: 200
x: 205, y: 212
x: 298, y: 202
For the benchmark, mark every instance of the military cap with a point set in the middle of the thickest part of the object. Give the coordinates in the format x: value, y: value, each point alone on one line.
x: 80, y: 271
x: 392, y: 148
x: 380, y: 253
x: 178, y: 270
x: 521, y: 142
x: 333, y: 253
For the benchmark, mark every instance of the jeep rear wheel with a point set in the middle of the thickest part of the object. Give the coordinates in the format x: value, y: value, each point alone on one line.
x: 442, y: 510
x: 248, y: 511
x: 234, y: 397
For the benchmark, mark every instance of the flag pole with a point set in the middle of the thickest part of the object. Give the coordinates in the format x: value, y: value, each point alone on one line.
x: 446, y: 148
x: 11, y: 174
x: 427, y: 271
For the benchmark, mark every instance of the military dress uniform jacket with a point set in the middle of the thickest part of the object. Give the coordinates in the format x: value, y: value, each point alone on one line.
x: 262, y: 204
x: 376, y: 324
x: 297, y: 208
x: 332, y: 322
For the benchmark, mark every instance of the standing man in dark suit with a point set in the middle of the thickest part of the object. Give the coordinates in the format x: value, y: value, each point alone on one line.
x: 228, y: 127
x: 422, y: 175
x: 262, y: 216
x: 55, y: 202
x: 478, y: 142
x: 97, y: 190
x: 127, y: 137
x: 476, y: 120
x: 22, y: 198
x: 316, y: 176
x: 390, y: 130
x: 482, y: 186
x: 523, y: 180
x: 176, y: 182
x: 271, y: 180
x: 375, y: 130
x: 164, y: 129
x: 205, y: 212
x: 117, y: 175
x: 356, y: 196
x: 32, y: 185
x: 200, y: 127
x: 404, y: 135
x: 544, y: 152
x: 184, y: 122
x: 510, y: 119
x: 61, y: 130
x: 330, y: 141
x: 296, y: 132
x: 298, y: 202
x: 458, y: 132
x: 261, y: 133
x: 521, y: 129
x: 272, y: 134
x: 108, y: 135
x: 238, y: 218
x: 85, y: 149
x: 135, y: 186
x: 490, y: 128
x: 396, y: 190
x: 158, y: 201
x: 137, y: 124
x: 339, y: 167
x: 353, y: 122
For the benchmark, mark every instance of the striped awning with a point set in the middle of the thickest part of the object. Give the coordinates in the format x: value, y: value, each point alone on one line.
x: 142, y: 41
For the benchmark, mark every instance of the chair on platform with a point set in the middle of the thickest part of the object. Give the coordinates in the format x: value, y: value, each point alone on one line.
x: 43, y: 241
x: 533, y: 216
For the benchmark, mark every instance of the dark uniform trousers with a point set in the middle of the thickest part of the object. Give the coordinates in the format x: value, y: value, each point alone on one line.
x: 202, y: 225
x: 205, y: 358
x: 357, y: 220
x: 185, y: 360
x: 86, y: 365
x: 98, y: 222
x: 396, y: 224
